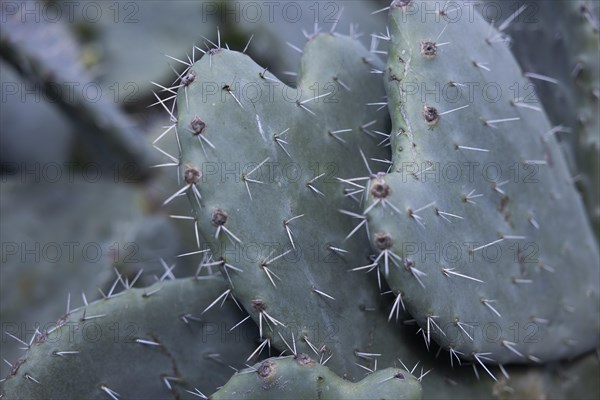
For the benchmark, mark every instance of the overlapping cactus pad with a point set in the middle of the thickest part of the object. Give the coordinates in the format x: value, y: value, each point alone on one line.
x: 140, y: 344
x: 263, y: 165
x: 479, y: 227
x: 300, y: 377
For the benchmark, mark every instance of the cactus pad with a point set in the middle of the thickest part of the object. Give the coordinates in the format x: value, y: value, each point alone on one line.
x: 470, y: 227
x: 262, y: 165
x: 142, y: 343
x: 300, y: 377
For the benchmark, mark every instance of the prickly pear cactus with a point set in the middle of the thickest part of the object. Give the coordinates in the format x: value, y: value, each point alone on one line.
x: 146, y: 343
x: 470, y: 227
x: 300, y: 377
x: 262, y: 164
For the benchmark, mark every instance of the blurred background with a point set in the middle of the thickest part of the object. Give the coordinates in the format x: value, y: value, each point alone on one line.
x: 80, y: 204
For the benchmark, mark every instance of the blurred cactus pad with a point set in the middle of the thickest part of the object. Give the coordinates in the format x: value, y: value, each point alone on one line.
x: 346, y: 199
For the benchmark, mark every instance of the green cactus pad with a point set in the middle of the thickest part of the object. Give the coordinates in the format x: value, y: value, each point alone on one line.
x: 300, y: 377
x: 261, y: 163
x: 140, y: 344
x: 470, y: 227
